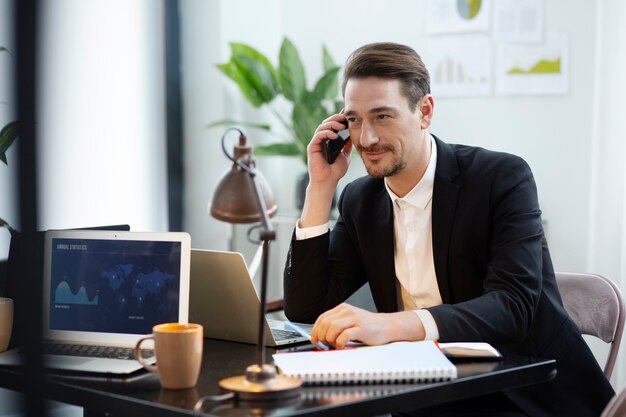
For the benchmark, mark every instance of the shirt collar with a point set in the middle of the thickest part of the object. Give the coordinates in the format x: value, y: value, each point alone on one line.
x: 422, y: 193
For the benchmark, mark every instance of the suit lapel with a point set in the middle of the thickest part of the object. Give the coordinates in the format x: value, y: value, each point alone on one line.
x: 445, y: 197
x: 384, y: 285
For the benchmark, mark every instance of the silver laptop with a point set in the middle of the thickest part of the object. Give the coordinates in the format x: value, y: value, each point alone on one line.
x: 223, y: 299
x: 103, y: 290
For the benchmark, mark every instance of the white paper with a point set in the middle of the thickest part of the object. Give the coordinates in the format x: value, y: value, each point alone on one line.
x: 454, y: 16
x: 469, y: 350
x: 533, y: 69
x: 518, y: 21
x: 390, y: 363
x: 459, y: 66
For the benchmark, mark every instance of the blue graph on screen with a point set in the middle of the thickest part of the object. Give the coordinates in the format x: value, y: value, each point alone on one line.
x: 64, y: 295
x: 143, y: 284
x: 113, y: 286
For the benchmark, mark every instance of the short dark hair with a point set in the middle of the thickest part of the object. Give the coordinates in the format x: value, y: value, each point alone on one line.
x: 393, y: 61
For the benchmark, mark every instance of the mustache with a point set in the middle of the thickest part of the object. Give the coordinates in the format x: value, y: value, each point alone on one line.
x: 375, y: 148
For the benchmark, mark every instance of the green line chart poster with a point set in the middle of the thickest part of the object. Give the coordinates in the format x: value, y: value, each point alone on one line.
x: 533, y: 68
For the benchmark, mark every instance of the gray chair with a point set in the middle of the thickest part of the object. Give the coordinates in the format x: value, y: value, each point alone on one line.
x: 616, y: 407
x: 596, y: 305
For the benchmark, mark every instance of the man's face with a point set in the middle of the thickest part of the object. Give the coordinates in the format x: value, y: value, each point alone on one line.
x: 384, y: 130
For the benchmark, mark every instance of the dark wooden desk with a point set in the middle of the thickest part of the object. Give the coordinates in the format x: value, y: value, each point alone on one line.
x: 142, y: 394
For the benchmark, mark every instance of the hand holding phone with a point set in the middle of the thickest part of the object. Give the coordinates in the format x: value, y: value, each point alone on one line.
x: 332, y: 147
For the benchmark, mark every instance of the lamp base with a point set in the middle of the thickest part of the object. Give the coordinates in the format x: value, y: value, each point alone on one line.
x: 261, y: 383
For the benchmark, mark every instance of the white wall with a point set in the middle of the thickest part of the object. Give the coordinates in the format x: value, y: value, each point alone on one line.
x: 201, y: 48
x: 607, y: 220
x: 101, y: 113
x: 100, y: 121
x: 555, y: 133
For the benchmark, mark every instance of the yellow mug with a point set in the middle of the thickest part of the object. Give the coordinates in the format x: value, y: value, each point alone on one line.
x: 178, y: 351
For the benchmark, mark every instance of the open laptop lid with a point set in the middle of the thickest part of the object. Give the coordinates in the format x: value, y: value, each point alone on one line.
x: 224, y: 300
x: 113, y: 286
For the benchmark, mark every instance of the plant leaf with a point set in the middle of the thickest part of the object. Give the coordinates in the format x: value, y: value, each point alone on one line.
x: 327, y: 60
x: 241, y: 50
x: 231, y: 69
x: 262, y: 86
x: 253, y: 73
x: 278, y: 149
x: 265, y: 76
x: 262, y: 82
x: 231, y: 122
x: 4, y: 224
x: 7, y: 136
x: 329, y: 63
x: 291, y: 70
x: 306, y: 116
x: 326, y: 87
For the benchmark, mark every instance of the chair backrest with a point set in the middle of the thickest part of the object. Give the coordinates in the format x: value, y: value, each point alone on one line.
x: 596, y: 305
x: 616, y: 407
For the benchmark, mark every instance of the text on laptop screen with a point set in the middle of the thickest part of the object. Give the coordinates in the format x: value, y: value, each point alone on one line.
x: 113, y: 286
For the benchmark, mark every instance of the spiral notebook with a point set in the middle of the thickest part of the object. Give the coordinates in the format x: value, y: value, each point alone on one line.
x: 399, y: 362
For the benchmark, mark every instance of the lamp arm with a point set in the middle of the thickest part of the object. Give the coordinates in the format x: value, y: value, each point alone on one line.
x: 267, y: 234
x: 261, y: 381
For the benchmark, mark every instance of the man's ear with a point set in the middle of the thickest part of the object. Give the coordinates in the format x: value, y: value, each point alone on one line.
x: 426, y: 107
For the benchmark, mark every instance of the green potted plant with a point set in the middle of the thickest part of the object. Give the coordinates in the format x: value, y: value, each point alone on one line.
x: 7, y: 136
x: 261, y: 83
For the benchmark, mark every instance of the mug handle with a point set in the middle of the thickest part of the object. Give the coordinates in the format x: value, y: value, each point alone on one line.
x: 151, y: 368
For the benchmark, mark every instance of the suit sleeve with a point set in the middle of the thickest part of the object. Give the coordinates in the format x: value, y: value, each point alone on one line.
x: 321, y: 272
x: 511, y: 274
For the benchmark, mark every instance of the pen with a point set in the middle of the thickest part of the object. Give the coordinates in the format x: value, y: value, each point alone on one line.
x: 304, y: 333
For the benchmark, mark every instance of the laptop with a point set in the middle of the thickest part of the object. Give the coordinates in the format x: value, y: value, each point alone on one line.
x: 224, y: 300
x: 103, y: 290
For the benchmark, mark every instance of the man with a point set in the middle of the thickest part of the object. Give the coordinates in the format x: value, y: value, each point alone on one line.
x: 449, y: 238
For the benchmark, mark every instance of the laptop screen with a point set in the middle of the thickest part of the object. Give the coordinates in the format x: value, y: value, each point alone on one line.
x: 101, y: 286
x: 113, y: 286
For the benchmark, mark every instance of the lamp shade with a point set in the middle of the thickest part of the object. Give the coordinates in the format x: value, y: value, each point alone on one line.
x: 234, y: 200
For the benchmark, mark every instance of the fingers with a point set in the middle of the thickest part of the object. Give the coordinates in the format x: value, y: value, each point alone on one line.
x: 349, y: 334
x: 333, y: 122
x: 320, y: 171
x: 327, y: 130
x: 337, y: 326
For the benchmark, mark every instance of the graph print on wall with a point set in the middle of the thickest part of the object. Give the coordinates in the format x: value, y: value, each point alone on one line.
x: 459, y: 66
x: 533, y: 68
x: 456, y: 16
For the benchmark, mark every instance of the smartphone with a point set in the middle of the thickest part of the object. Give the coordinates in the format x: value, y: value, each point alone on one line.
x: 332, y: 147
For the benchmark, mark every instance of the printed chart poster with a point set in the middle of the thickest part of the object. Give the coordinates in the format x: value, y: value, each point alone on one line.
x: 518, y: 21
x: 454, y: 16
x: 459, y: 66
x: 534, y: 69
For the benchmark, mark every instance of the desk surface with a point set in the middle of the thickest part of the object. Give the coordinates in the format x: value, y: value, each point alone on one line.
x: 142, y: 394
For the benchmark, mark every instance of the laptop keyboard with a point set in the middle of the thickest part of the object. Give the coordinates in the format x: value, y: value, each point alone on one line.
x: 93, y: 351
x: 285, y: 334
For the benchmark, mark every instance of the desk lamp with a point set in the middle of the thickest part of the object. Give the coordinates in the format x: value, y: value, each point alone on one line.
x: 243, y: 196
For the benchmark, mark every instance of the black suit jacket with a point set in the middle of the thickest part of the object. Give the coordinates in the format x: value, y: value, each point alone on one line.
x: 492, y: 264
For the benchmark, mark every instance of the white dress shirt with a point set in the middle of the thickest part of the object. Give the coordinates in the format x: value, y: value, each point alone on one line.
x: 414, y: 263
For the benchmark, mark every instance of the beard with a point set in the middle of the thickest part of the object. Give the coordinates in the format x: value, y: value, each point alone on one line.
x: 380, y: 169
